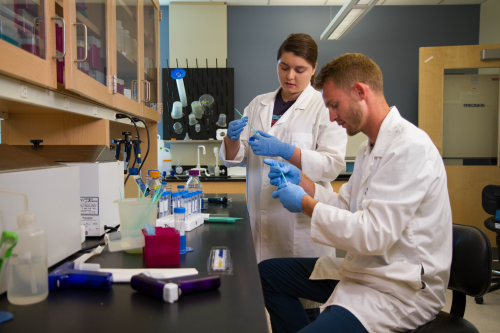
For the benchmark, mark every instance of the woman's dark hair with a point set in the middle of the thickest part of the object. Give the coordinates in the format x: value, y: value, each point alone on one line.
x: 302, y: 45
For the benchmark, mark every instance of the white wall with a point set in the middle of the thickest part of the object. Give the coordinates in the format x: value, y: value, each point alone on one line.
x: 187, y: 154
x: 489, y: 28
x: 198, y: 30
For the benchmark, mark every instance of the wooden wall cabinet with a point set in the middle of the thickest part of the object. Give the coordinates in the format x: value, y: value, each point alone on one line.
x: 105, y: 71
x: 27, y: 41
x: 110, y: 49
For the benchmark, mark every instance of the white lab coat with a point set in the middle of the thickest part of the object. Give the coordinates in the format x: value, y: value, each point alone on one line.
x: 306, y: 125
x: 394, y: 219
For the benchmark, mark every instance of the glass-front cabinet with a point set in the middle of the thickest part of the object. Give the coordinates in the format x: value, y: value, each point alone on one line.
x: 86, y: 64
x: 103, y: 50
x: 151, y: 73
x: 24, y: 27
x: 127, y: 56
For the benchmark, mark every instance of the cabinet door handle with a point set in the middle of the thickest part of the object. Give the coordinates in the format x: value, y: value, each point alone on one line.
x: 134, y: 90
x: 55, y: 18
x: 148, y: 90
x: 84, y: 40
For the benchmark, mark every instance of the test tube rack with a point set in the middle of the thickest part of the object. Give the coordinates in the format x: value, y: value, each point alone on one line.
x: 192, y: 222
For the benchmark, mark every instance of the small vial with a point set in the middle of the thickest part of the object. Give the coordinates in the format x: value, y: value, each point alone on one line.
x: 180, y: 221
x: 180, y: 188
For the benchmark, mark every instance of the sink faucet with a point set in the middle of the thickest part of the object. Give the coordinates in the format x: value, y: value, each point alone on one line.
x: 204, y: 153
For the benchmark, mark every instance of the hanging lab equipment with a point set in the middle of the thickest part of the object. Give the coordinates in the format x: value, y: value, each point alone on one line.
x: 177, y: 74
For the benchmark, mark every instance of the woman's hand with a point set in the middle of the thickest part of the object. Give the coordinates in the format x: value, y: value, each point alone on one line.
x: 235, y: 128
x: 268, y: 145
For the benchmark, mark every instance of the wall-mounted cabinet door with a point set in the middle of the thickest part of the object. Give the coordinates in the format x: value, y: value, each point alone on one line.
x: 25, y: 51
x: 87, y: 62
x: 126, y: 46
x: 150, y: 80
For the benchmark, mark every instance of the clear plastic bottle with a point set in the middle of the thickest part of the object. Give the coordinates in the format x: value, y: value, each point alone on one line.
x: 27, y: 275
x: 194, y: 184
x: 154, y: 179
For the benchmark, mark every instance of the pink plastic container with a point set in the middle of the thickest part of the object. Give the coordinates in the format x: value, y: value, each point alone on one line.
x: 162, y: 249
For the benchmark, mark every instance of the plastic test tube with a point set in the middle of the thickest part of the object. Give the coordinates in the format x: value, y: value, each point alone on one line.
x: 193, y: 203
x: 168, y: 204
x: 185, y: 197
x: 180, y: 220
x: 160, y: 206
x: 199, y: 202
x: 165, y: 204
x: 175, y: 201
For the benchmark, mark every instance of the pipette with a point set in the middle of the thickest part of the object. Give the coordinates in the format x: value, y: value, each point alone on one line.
x: 247, y: 122
x: 284, y: 177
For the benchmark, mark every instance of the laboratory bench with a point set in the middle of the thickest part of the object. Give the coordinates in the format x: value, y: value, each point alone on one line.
x: 237, y: 306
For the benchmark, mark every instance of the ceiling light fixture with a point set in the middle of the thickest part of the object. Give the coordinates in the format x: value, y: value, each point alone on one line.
x: 350, y: 14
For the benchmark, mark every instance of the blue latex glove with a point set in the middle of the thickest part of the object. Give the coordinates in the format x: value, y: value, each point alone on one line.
x: 268, y: 145
x: 290, y: 196
x: 291, y: 172
x: 235, y: 128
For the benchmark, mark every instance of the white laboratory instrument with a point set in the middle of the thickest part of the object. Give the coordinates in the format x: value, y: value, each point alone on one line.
x: 53, y: 190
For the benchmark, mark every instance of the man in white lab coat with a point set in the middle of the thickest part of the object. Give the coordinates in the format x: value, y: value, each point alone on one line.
x: 393, y: 217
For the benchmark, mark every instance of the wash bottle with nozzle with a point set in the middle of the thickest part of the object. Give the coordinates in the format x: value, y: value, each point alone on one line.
x: 27, y: 275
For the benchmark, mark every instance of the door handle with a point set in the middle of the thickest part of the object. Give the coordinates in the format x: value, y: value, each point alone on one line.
x: 84, y: 39
x: 148, y: 90
x: 55, y: 18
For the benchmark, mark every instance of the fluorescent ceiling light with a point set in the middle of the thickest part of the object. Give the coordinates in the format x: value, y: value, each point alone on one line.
x: 350, y: 14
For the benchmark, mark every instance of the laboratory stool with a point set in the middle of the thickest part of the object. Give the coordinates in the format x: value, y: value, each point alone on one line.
x: 491, y: 205
x: 470, y: 275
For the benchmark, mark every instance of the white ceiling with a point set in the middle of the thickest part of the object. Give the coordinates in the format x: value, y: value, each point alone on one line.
x: 330, y: 2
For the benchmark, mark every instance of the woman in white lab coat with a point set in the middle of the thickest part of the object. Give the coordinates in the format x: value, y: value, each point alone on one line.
x: 296, y: 129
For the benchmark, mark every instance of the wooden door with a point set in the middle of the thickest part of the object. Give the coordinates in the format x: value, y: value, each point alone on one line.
x: 465, y: 183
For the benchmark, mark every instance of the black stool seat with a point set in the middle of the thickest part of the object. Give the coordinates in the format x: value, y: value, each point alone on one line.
x: 490, y: 224
x: 446, y: 322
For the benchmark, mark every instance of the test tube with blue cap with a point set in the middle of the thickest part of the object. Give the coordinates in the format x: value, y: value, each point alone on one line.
x: 180, y: 221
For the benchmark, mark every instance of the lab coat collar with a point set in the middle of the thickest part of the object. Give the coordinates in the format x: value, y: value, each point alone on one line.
x: 301, y: 102
x: 390, y: 122
x: 268, y: 102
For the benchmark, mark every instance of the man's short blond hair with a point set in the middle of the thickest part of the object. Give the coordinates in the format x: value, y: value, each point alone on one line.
x: 350, y: 68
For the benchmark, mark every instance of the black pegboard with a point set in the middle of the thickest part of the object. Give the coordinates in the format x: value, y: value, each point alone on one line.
x: 218, y: 82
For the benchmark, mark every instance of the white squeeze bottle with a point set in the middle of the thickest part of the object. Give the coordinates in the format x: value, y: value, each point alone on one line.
x: 27, y: 275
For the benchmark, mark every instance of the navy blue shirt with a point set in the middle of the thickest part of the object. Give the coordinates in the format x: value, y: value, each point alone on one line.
x: 280, y: 107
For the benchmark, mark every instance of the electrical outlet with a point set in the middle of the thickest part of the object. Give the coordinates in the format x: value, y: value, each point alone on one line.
x: 66, y: 103
x: 94, y: 110
x: 24, y: 91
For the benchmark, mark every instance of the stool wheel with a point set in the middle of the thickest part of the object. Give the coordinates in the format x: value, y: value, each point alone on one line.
x: 479, y: 300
